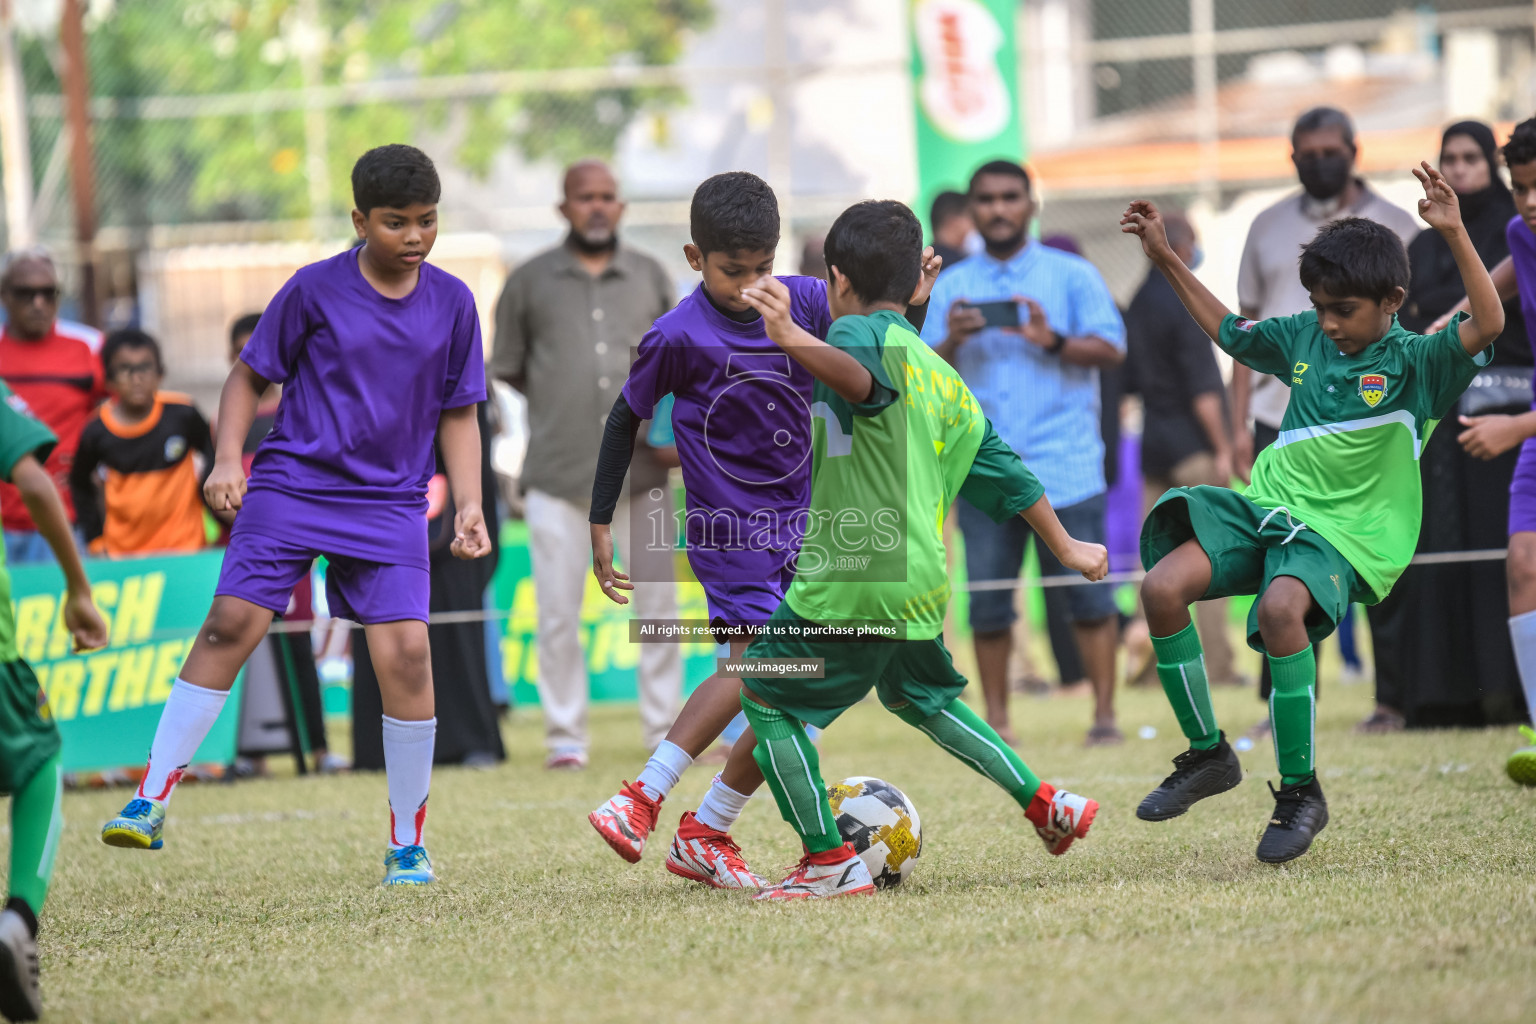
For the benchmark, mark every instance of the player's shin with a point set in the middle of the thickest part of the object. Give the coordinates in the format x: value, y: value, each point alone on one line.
x: 1293, y: 714
x: 37, y: 818
x: 961, y: 731
x: 408, y: 770
x: 792, y: 769
x: 1181, y: 670
x: 188, y: 715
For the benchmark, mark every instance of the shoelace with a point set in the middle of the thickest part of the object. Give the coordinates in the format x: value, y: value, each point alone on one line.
x: 410, y: 856
x: 1185, y: 763
x: 644, y: 809
x: 1288, y: 804
x: 139, y: 808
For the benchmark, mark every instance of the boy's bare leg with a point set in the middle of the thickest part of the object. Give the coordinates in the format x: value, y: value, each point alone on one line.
x: 1098, y: 642
x: 993, y: 650
x: 1282, y: 615
x: 233, y: 629
x: 403, y: 661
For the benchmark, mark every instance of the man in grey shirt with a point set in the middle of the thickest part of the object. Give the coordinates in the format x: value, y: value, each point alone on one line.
x: 565, y: 325
x: 1323, y: 150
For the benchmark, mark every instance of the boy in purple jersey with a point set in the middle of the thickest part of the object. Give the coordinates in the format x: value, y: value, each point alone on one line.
x: 742, y: 422
x: 377, y: 352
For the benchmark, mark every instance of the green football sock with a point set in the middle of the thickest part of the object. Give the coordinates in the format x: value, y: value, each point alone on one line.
x: 960, y: 731
x: 1181, y: 670
x: 789, y: 763
x: 37, y: 817
x: 1293, y: 714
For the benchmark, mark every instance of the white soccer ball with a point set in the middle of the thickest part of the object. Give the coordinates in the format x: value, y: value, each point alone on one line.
x: 881, y: 823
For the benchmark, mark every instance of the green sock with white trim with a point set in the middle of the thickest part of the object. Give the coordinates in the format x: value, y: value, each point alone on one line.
x: 1181, y: 670
x: 961, y: 731
x: 790, y: 765
x: 1293, y: 713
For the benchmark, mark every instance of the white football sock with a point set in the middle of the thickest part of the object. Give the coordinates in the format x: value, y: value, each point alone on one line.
x: 408, y: 772
x: 721, y: 806
x: 188, y: 714
x: 663, y: 770
x: 1522, y: 633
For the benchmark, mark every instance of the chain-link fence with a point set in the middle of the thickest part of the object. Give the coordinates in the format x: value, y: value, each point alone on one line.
x: 233, y: 124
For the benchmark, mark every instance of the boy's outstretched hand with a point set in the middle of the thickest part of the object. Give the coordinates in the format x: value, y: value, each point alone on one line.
x: 1092, y: 560
x: 932, y: 264
x: 1439, y: 207
x: 1142, y: 220
x: 770, y: 297
x: 470, y: 538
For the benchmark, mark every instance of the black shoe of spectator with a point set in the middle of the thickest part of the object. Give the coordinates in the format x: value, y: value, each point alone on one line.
x: 1197, y: 774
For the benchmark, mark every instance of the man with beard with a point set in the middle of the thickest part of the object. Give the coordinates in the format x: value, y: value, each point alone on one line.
x: 1028, y: 327
x: 565, y: 325
x: 1323, y: 151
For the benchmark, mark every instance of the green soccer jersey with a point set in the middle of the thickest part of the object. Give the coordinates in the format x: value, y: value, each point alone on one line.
x: 885, y: 472
x: 1347, y: 461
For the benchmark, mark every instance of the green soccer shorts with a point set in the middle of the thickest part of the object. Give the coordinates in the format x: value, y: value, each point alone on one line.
x: 1249, y: 545
x: 916, y: 672
x: 28, y: 735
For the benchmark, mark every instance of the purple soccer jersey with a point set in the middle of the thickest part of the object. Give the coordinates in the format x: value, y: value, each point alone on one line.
x: 742, y: 422
x: 365, y: 379
x: 1522, y: 488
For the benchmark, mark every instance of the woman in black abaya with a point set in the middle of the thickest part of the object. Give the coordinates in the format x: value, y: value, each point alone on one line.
x: 1443, y: 656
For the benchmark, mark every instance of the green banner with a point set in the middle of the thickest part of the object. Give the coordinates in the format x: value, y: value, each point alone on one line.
x: 107, y: 702
x: 965, y: 74
x: 611, y: 656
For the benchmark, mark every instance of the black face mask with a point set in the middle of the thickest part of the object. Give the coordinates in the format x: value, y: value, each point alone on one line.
x: 1324, y: 177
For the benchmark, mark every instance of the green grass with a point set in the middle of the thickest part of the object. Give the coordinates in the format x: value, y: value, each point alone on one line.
x: 1416, y: 904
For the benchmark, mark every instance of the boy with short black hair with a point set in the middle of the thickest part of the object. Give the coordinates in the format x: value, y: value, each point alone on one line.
x: 741, y: 420
x: 377, y: 351
x: 134, y: 479
x: 30, y: 770
x: 897, y: 438
x: 1332, y: 513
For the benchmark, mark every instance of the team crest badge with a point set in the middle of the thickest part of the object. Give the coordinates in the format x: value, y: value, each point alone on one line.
x: 1373, y: 388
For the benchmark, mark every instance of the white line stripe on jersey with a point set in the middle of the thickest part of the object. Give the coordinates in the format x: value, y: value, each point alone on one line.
x: 1402, y: 416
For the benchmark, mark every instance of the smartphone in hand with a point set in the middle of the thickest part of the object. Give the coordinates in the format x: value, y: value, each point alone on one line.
x: 1004, y: 313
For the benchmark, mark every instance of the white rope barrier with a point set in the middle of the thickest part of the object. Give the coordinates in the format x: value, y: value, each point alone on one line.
x: 481, y: 615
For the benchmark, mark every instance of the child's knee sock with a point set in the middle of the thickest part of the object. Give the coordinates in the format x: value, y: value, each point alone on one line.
x: 1522, y: 633
x: 189, y: 713
x: 792, y: 769
x: 37, y: 817
x: 1293, y: 714
x: 960, y: 731
x: 408, y: 774
x: 1181, y: 670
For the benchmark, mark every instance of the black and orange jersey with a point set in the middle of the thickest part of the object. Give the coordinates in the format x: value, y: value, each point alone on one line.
x: 145, y: 476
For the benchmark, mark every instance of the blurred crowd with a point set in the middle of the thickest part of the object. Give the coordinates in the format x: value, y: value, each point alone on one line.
x: 1109, y: 407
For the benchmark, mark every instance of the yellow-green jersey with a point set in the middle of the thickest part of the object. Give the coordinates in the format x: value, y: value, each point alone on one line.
x: 21, y: 434
x: 884, y: 475
x: 1346, y: 464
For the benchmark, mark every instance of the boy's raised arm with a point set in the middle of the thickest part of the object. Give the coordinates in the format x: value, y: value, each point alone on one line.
x: 829, y: 364
x: 1142, y: 220
x: 1441, y: 211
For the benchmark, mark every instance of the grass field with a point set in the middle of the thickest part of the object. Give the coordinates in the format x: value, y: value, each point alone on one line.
x: 1418, y: 903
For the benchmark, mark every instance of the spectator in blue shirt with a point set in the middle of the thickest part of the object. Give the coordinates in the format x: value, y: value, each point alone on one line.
x: 1039, y: 385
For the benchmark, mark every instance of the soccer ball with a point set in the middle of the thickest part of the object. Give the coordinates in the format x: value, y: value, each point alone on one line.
x: 881, y: 823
